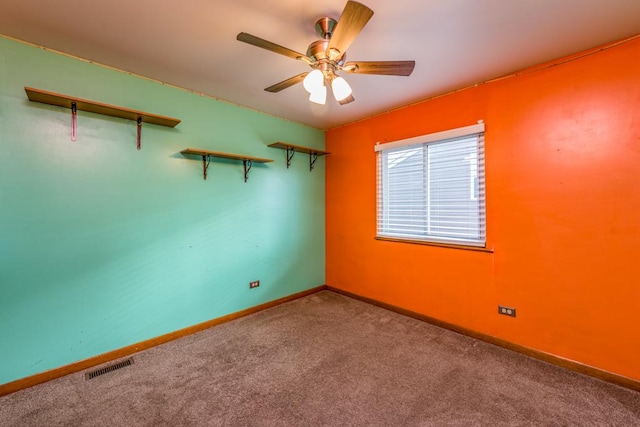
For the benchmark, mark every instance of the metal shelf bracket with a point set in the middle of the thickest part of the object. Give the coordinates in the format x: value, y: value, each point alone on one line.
x: 313, y: 156
x: 247, y: 167
x: 290, y: 152
x: 205, y: 166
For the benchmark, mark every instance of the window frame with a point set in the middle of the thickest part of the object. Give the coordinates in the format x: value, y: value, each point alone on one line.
x: 424, y: 141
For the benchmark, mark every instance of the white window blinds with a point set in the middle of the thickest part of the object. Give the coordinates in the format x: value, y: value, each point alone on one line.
x: 433, y: 191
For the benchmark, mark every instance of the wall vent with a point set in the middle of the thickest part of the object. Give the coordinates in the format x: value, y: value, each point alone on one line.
x: 107, y: 369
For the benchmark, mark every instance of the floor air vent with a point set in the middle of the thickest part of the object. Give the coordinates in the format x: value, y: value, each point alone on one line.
x: 107, y: 369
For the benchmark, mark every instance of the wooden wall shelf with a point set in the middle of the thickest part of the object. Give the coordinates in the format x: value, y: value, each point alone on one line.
x: 292, y: 148
x: 52, y: 98
x: 206, y: 155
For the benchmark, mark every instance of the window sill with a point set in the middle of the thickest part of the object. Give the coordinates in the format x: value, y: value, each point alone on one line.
x: 440, y: 245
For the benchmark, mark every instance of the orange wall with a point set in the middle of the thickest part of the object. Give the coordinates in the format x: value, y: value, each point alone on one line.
x: 562, y: 162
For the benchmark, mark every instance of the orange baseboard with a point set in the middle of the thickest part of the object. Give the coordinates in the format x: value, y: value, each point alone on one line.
x: 42, y: 377
x: 536, y: 354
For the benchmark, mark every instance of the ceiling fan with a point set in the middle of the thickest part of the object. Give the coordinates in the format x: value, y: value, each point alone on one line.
x: 327, y: 56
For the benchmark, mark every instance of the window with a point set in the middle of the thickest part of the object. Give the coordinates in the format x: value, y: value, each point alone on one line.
x: 431, y: 188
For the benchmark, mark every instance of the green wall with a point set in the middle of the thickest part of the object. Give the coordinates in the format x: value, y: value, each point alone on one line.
x: 102, y: 245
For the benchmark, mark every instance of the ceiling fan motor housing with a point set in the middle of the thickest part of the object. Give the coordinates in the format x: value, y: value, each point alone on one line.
x: 317, y: 50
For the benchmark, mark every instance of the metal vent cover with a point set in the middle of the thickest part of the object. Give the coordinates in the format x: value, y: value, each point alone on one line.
x: 92, y: 374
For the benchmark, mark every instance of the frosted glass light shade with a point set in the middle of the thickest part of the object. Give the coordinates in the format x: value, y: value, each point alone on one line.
x: 341, y: 89
x: 319, y: 95
x: 313, y: 81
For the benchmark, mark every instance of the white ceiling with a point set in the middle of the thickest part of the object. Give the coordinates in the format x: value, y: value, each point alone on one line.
x: 192, y: 43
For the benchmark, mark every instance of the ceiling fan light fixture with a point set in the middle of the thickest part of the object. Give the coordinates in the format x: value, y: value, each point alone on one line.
x: 341, y: 89
x: 319, y: 95
x: 314, y: 81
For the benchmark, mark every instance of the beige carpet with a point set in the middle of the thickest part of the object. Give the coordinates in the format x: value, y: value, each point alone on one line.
x: 326, y: 360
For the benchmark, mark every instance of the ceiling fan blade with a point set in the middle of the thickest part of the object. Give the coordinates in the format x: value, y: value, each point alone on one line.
x: 286, y: 83
x: 388, y: 68
x: 347, y: 100
x: 265, y: 44
x: 353, y: 19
